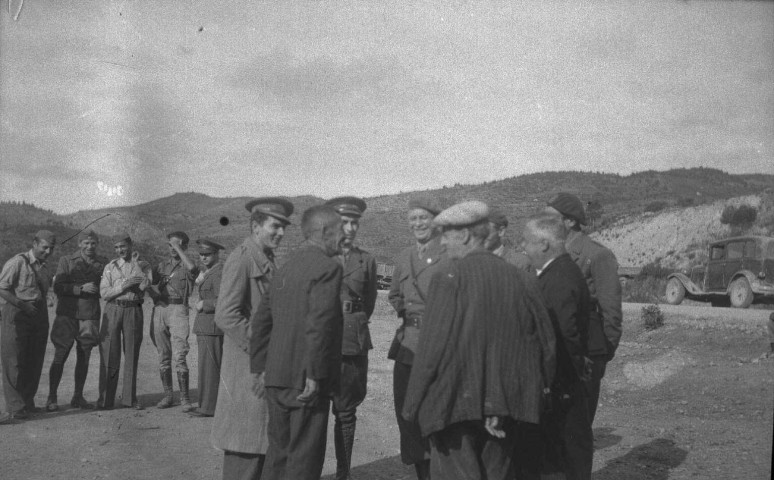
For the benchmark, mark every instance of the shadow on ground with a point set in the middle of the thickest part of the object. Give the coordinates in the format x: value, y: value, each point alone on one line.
x: 604, y: 438
x: 650, y: 461
x: 383, y: 469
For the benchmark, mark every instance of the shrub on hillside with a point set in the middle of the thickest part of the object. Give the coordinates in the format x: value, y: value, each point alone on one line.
x: 643, y: 289
x: 655, y: 270
x: 652, y: 317
x: 685, y: 202
x: 742, y: 216
x: 656, y: 206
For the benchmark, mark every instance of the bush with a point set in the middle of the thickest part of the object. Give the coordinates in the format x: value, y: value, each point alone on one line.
x: 643, y: 289
x: 652, y: 317
x: 655, y: 270
x: 743, y: 215
x: 685, y: 202
x: 656, y: 206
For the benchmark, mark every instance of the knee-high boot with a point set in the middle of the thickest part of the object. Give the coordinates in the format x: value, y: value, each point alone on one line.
x: 344, y: 439
x: 185, y: 400
x: 166, y: 380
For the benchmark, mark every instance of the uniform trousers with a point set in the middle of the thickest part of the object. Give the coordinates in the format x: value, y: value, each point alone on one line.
x: 242, y: 466
x: 210, y: 357
x: 169, y: 333
x: 22, y: 348
x: 568, y: 446
x: 121, y: 326
x: 466, y: 451
x: 297, y: 435
x: 593, y: 386
x: 413, y: 448
x: 352, y: 388
x: 67, y: 330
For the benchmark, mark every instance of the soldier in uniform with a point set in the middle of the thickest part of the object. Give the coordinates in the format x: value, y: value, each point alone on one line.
x: 24, y: 284
x: 173, y: 280
x: 414, y: 267
x: 239, y: 427
x: 209, y: 338
x: 498, y: 223
x: 76, y: 283
x: 358, y: 298
x: 600, y: 269
x: 123, y: 284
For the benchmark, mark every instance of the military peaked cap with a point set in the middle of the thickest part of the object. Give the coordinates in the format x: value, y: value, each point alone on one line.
x: 425, y: 203
x: 351, y: 206
x: 462, y: 214
x: 276, y: 207
x: 178, y: 234
x: 569, y: 205
x: 208, y: 246
x: 46, y: 235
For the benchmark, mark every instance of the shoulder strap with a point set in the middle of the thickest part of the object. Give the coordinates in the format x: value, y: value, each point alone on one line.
x: 34, y: 273
x: 414, y: 277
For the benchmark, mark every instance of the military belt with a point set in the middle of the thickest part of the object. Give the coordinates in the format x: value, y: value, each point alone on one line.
x: 126, y: 303
x: 351, y: 307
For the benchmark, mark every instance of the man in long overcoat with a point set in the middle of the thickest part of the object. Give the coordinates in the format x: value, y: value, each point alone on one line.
x: 414, y: 267
x: 240, y: 424
x: 485, y: 354
x: 296, y: 346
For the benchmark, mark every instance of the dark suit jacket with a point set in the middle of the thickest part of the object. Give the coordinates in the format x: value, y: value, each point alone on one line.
x: 487, y: 346
x: 209, y: 288
x: 358, y: 285
x: 298, y: 325
x: 72, y: 273
x: 568, y: 302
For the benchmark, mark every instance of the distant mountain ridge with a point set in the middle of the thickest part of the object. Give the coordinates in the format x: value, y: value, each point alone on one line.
x: 383, y: 228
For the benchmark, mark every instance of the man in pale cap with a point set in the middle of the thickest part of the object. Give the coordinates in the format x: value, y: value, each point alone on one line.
x: 485, y: 354
x: 240, y: 425
x: 600, y: 269
x: 173, y: 281
x: 414, y: 266
x: 122, y: 287
x: 209, y: 338
x: 78, y: 312
x: 498, y: 223
x: 358, y: 298
x: 24, y: 283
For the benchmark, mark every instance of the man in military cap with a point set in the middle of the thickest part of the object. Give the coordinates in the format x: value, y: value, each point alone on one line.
x: 600, y: 269
x: 240, y: 424
x: 122, y: 287
x: 358, y: 298
x: 24, y: 283
x: 485, y: 353
x: 76, y: 284
x: 209, y: 338
x: 414, y: 267
x: 172, y: 284
x: 498, y: 223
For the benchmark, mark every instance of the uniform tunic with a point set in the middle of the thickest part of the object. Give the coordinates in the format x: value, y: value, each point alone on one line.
x: 209, y: 339
x: 241, y: 419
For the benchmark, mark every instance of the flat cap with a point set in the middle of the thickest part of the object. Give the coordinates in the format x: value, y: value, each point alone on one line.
x: 462, y: 214
x: 122, y: 237
x: 498, y: 218
x: 425, y: 203
x: 178, y: 234
x: 350, y: 206
x: 568, y: 205
x: 88, y: 234
x: 208, y: 246
x: 46, y: 235
x: 276, y: 207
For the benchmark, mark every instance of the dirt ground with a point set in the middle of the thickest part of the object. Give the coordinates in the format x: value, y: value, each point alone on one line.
x: 692, y: 399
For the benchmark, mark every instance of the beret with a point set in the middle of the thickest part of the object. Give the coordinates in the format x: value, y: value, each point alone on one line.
x: 46, y: 235
x: 498, y: 218
x: 425, y: 203
x: 181, y: 235
x: 462, y: 214
x: 351, y: 206
x: 568, y: 205
x: 122, y: 237
x: 208, y: 246
x: 88, y: 234
x: 276, y: 207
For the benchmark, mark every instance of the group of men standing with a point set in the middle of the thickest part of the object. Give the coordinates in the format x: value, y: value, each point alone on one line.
x: 498, y: 357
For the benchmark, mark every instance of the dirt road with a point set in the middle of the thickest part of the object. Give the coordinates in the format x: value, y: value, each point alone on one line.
x: 692, y: 399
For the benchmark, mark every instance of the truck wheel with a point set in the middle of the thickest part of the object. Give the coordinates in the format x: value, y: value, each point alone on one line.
x: 675, y: 291
x: 740, y: 293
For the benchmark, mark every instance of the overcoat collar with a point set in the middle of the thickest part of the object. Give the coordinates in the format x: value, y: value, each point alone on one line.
x: 210, y: 271
x: 261, y: 265
x: 432, y: 255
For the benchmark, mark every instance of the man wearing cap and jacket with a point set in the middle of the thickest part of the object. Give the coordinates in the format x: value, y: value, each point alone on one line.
x: 414, y: 267
x: 172, y: 284
x: 358, y: 298
x: 486, y: 352
x: 498, y: 223
x: 24, y: 284
x: 76, y: 283
x: 600, y: 269
x: 209, y: 338
x: 240, y: 425
x: 122, y: 287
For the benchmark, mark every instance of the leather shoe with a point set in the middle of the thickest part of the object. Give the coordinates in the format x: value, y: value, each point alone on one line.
x: 137, y: 406
x: 5, y: 417
x: 22, y: 414
x: 198, y: 414
x: 80, y: 402
x: 51, y: 405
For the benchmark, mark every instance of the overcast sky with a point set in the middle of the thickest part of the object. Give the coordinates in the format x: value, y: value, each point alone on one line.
x: 330, y: 98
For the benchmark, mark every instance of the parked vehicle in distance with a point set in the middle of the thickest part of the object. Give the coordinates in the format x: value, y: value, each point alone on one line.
x: 384, y: 275
x: 739, y: 272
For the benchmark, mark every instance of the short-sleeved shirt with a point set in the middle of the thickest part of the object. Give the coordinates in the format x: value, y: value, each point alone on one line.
x: 117, y: 272
x: 26, y: 277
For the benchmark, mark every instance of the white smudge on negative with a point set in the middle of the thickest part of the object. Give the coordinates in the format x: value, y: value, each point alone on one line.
x: 110, y: 190
x: 650, y: 374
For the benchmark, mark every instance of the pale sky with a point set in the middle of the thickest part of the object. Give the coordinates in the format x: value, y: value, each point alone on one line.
x: 367, y: 98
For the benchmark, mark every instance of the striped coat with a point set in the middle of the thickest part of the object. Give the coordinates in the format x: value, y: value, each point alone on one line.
x: 486, y: 348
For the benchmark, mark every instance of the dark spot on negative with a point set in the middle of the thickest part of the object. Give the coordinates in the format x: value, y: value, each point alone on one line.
x: 224, y: 221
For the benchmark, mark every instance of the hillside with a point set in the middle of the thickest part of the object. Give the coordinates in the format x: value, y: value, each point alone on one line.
x: 618, y: 201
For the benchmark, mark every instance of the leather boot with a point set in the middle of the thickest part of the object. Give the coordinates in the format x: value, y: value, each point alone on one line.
x: 166, y: 380
x: 344, y: 438
x: 423, y: 470
x: 185, y: 401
